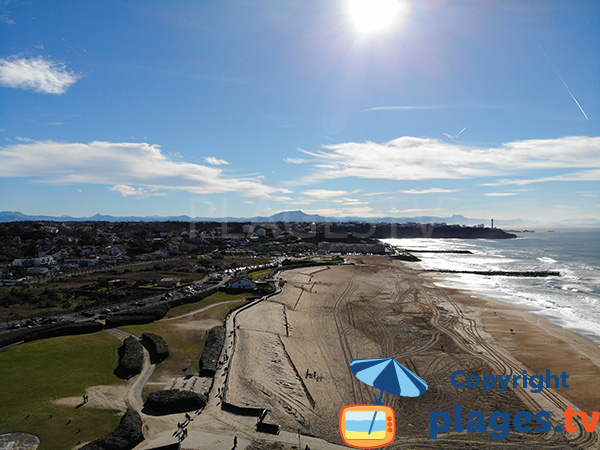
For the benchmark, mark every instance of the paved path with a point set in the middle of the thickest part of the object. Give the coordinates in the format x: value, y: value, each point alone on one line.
x: 134, y: 395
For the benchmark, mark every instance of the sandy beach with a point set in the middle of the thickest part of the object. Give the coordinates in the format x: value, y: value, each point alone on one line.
x: 289, y: 354
x: 293, y: 350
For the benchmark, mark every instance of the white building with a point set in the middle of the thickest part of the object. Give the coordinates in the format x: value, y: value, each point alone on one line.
x: 243, y: 284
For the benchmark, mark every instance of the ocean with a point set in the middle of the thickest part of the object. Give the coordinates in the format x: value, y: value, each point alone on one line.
x: 571, y: 300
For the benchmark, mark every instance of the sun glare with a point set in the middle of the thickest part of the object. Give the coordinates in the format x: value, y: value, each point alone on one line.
x: 373, y: 15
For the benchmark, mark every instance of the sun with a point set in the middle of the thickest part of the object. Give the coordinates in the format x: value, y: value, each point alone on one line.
x: 371, y: 16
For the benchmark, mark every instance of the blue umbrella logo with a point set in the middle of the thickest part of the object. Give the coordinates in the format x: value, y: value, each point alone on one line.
x: 389, y: 376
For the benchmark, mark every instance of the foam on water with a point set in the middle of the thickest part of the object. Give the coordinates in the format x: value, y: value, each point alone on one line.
x: 571, y: 300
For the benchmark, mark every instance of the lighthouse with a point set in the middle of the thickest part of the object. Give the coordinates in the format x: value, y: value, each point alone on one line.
x: 492, y: 223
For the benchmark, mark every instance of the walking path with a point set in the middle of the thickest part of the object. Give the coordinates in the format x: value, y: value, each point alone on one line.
x: 134, y: 394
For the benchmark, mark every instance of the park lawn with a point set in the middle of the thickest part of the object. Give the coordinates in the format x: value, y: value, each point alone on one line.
x: 260, y: 274
x: 217, y: 297
x: 185, y: 341
x: 34, y: 374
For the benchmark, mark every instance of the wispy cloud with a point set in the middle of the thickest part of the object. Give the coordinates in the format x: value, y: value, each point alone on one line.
x: 324, y: 193
x: 582, y: 175
x: 371, y: 194
x: 129, y: 191
x: 5, y: 14
x: 500, y: 194
x: 436, y: 211
x: 296, y: 160
x: 428, y: 191
x: 6, y: 19
x: 412, y: 158
x: 401, y: 108
x: 362, y: 211
x: 349, y: 201
x: 36, y: 74
x: 215, y: 161
x: 124, y: 165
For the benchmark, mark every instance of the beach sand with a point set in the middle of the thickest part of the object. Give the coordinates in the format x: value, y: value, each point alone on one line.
x: 293, y: 350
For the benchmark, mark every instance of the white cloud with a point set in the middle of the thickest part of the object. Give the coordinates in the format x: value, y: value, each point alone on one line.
x: 296, y: 160
x: 352, y: 201
x: 303, y: 201
x: 500, y: 194
x: 215, y: 161
x: 411, y: 158
x: 128, y: 191
x: 324, y: 193
x: 123, y: 164
x: 428, y: 191
x: 363, y: 211
x: 370, y: 194
x: 436, y: 211
x: 582, y: 175
x: 36, y: 74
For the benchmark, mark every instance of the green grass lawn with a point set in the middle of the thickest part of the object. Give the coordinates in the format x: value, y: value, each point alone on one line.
x: 260, y: 274
x: 36, y: 373
x: 186, y: 343
x: 217, y: 297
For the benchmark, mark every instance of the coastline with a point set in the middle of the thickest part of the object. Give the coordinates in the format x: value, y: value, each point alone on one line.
x: 380, y: 307
x: 555, y: 276
x: 535, y: 342
x: 325, y: 316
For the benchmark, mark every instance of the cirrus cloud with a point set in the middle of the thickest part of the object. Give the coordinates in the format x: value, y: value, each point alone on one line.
x: 215, y: 161
x: 324, y: 193
x: 500, y: 194
x: 36, y: 74
x: 428, y: 191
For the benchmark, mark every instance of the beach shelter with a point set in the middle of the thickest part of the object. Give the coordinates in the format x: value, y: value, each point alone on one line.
x: 389, y: 376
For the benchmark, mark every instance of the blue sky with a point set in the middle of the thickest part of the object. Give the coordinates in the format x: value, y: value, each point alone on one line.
x: 243, y: 108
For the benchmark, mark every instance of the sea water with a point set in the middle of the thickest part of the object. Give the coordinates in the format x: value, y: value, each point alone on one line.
x: 571, y: 300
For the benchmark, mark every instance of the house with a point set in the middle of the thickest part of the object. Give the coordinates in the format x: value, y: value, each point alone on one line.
x: 167, y: 283
x: 242, y: 284
x: 119, y: 283
x: 114, y: 251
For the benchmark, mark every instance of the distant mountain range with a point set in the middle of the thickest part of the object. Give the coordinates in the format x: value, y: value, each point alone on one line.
x: 299, y: 216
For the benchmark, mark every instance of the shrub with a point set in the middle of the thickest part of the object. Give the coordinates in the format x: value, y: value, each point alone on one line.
x: 157, y: 345
x: 131, y: 358
x: 126, y: 436
x: 212, y: 351
x: 175, y: 401
x: 129, y: 319
x: 49, y: 330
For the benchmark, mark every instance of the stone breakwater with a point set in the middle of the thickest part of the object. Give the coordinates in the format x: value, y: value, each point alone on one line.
x: 501, y: 273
